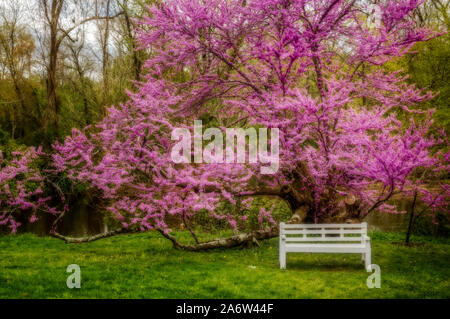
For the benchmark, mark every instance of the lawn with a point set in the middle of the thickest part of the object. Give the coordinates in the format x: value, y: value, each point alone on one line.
x: 146, y: 266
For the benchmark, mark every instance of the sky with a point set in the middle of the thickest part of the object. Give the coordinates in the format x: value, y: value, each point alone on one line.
x: 31, y: 15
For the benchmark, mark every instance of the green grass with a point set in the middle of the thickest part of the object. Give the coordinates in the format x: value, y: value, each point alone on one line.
x: 146, y: 266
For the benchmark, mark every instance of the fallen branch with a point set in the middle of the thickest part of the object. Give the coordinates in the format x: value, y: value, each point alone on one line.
x: 86, y: 239
x: 233, y: 241
x: 228, y: 242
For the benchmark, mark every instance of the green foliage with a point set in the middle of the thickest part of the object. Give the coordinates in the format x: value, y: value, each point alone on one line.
x: 9, y: 145
x: 396, y: 237
x: 4, y: 137
x: 438, y: 226
x: 430, y: 68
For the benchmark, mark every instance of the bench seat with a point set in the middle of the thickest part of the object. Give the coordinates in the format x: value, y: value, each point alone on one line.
x: 325, y: 248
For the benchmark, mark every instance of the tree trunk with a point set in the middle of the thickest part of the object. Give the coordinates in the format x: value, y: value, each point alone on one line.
x: 52, y: 110
x: 411, y: 219
x: 21, y: 109
x: 50, y: 117
x: 136, y: 62
x: 105, y: 60
x: 86, y: 239
x: 229, y: 242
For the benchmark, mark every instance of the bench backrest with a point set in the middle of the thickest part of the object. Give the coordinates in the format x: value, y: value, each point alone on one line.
x: 323, y: 232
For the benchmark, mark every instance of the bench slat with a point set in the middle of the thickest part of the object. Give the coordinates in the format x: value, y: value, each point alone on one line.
x: 324, y: 231
x: 322, y: 239
x: 348, y: 248
x: 297, y: 226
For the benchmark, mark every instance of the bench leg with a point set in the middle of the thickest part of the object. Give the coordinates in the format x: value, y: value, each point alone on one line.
x: 282, y: 260
x: 363, y: 257
x: 368, y: 259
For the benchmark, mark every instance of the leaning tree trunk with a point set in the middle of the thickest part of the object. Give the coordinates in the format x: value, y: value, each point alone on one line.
x: 52, y: 109
x: 228, y: 242
x: 411, y: 220
x: 86, y: 239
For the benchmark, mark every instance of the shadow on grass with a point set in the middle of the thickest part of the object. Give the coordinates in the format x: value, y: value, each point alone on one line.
x: 324, y: 263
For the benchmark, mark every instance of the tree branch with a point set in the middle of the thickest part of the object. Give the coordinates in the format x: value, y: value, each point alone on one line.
x: 233, y: 241
x: 87, y: 239
x: 66, y: 32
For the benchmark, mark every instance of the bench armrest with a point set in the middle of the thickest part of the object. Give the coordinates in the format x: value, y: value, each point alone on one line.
x: 365, y: 238
x: 283, y: 237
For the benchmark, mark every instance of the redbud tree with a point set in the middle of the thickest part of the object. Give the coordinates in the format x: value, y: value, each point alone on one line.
x: 311, y: 68
x: 25, y: 192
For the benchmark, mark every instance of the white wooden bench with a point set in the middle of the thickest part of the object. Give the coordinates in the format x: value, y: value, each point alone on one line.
x: 325, y: 238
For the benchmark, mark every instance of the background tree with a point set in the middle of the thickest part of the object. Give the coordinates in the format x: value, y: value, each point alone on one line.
x: 54, y: 15
x: 16, y: 49
x: 428, y: 64
x: 82, y: 66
